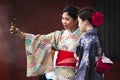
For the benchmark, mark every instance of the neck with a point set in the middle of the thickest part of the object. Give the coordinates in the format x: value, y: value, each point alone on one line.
x: 89, y: 28
x: 73, y: 29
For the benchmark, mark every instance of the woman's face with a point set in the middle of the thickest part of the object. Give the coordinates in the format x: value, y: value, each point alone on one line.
x: 67, y: 21
x: 81, y: 25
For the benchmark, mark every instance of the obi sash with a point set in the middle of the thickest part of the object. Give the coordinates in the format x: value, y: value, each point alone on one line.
x: 65, y: 58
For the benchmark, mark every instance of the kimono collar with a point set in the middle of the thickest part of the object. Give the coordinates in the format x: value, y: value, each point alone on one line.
x: 92, y: 31
x: 70, y: 33
x: 75, y: 33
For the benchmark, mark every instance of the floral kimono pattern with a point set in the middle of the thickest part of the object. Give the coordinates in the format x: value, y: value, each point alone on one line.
x: 87, y: 50
x: 38, y: 52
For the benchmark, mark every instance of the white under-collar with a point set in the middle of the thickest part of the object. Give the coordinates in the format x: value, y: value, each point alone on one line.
x: 69, y: 31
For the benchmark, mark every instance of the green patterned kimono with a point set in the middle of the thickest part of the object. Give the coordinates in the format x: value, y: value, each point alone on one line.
x: 38, y: 52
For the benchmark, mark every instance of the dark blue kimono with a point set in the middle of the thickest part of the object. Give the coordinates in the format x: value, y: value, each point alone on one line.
x: 87, y: 51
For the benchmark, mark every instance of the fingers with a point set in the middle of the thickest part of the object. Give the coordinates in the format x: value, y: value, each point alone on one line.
x: 12, y: 25
x: 13, y: 29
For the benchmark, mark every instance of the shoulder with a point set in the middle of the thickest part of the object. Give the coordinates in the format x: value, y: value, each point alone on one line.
x: 89, y: 39
x: 59, y: 32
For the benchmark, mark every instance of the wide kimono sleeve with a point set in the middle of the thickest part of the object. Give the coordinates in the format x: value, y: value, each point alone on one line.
x: 38, y: 52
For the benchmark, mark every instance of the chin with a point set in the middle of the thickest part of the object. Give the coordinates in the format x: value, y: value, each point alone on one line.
x: 65, y: 28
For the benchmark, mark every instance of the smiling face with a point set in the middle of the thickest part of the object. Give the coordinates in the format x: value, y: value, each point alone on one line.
x: 68, y: 22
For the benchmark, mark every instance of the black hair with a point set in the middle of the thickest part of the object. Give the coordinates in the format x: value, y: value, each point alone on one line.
x: 86, y: 13
x: 72, y: 11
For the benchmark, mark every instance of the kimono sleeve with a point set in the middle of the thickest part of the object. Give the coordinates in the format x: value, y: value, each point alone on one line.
x: 38, y: 53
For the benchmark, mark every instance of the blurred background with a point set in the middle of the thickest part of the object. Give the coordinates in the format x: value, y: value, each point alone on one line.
x: 44, y: 16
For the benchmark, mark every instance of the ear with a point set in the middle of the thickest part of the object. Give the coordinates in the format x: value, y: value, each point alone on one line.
x: 85, y: 22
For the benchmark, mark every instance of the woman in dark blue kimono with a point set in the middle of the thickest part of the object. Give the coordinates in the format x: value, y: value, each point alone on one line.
x: 89, y: 45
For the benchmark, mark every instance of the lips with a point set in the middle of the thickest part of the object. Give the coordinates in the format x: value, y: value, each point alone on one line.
x: 65, y: 25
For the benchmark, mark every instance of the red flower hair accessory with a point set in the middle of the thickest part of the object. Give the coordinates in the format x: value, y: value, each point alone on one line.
x: 97, y: 19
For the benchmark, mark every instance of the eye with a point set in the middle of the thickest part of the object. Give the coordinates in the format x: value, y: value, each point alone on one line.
x: 67, y: 19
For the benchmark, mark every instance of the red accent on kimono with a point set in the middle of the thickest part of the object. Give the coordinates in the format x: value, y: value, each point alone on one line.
x: 66, y: 58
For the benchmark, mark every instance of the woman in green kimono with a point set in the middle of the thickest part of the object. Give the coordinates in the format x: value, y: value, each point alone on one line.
x: 38, y: 48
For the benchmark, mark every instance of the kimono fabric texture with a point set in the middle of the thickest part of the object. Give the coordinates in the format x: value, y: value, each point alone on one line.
x: 87, y: 50
x: 39, y: 57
